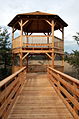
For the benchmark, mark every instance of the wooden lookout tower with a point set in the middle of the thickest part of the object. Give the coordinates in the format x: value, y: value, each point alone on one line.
x: 29, y: 40
x: 49, y: 95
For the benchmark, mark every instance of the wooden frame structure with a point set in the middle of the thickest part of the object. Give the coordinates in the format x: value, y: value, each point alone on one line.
x: 37, y: 22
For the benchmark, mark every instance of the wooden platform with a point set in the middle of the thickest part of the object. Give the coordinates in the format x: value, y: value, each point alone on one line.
x: 39, y: 100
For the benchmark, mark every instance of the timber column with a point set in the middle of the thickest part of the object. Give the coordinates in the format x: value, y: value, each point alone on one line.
x: 21, y: 33
x: 52, y: 31
x: 13, y: 56
x: 63, y: 46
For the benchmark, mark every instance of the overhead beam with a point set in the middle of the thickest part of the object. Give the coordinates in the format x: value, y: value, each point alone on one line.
x: 48, y: 55
x: 25, y: 56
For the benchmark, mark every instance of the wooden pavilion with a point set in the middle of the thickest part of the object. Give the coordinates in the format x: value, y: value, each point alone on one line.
x: 51, y: 95
x: 28, y: 42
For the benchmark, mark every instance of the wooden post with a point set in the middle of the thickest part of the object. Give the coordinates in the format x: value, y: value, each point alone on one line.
x: 21, y: 33
x: 21, y: 59
x: 12, y: 36
x: 48, y: 39
x: 63, y: 45
x: 52, y: 30
x: 12, y: 33
x: 27, y: 64
x: 27, y: 39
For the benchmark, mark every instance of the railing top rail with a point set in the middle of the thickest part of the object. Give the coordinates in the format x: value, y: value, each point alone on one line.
x: 66, y: 76
x: 3, y: 82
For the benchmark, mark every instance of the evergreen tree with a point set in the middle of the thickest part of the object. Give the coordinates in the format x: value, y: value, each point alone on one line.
x: 73, y: 58
x: 5, y: 52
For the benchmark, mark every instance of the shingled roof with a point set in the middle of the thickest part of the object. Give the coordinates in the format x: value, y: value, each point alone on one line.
x: 35, y: 18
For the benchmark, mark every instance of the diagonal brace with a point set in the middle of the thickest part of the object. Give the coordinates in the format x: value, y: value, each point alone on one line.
x: 48, y: 55
x: 25, y: 56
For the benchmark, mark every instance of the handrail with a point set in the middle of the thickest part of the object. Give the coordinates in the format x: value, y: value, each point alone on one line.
x: 68, y: 89
x: 66, y: 76
x: 9, y: 78
x: 9, y: 90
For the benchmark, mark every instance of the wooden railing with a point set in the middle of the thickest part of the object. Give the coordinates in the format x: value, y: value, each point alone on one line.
x: 16, y: 43
x: 38, y: 41
x: 58, y: 43
x: 9, y: 89
x: 67, y: 88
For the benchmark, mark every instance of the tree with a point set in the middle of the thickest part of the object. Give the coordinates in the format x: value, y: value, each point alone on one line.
x: 76, y: 37
x: 73, y: 58
x: 5, y: 51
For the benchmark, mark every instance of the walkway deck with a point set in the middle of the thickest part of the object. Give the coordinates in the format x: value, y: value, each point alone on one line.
x: 38, y: 100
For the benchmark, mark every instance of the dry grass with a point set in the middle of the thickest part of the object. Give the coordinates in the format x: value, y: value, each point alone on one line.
x: 68, y: 69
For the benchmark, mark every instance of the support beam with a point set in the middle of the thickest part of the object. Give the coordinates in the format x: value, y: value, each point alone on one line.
x: 63, y: 45
x: 48, y: 55
x: 25, y: 23
x: 12, y: 33
x: 27, y: 64
x: 25, y: 56
x: 52, y: 30
x: 21, y: 33
x: 21, y: 59
x: 19, y: 23
x: 48, y: 23
x: 48, y: 39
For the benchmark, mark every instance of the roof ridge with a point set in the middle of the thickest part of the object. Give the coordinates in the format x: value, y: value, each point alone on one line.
x: 37, y: 13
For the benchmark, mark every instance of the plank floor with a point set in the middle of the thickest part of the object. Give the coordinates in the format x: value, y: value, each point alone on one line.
x: 39, y: 100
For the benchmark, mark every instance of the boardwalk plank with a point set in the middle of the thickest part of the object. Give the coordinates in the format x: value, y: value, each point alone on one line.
x: 38, y: 100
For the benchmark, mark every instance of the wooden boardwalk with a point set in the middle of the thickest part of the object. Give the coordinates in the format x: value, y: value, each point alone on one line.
x: 39, y: 100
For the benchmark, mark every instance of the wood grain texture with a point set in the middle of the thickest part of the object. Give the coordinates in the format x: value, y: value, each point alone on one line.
x: 39, y: 100
x: 68, y: 89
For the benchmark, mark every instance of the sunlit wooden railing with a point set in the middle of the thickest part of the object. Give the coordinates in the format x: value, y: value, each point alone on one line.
x: 16, y: 43
x: 9, y: 89
x: 58, y: 43
x: 36, y: 41
x: 41, y: 41
x: 67, y: 88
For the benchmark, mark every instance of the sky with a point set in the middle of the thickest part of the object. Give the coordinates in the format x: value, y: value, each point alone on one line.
x: 68, y: 10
